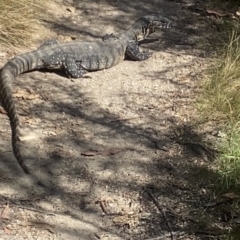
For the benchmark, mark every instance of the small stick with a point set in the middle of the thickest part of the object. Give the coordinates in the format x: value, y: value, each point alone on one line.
x: 231, y: 15
x: 161, y: 211
x: 123, y: 119
x: 33, y: 209
x: 102, y: 204
x: 164, y: 236
x: 97, y: 236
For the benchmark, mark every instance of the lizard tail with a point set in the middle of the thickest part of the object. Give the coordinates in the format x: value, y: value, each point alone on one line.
x: 7, y: 76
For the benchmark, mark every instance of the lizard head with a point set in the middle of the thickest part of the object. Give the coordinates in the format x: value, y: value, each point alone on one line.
x: 149, y: 23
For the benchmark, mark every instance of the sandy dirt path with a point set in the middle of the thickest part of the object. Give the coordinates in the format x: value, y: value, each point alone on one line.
x: 127, y: 118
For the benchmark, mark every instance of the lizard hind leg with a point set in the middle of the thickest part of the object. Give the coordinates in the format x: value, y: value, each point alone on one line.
x: 133, y: 51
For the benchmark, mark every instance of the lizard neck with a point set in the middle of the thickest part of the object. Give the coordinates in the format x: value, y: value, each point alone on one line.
x: 133, y: 34
x: 139, y: 30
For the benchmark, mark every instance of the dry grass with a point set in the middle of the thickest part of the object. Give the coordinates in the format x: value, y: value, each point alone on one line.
x: 19, y: 21
x: 221, y: 101
x: 221, y: 95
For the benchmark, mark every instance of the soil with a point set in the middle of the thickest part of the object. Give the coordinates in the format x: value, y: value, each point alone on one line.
x: 110, y: 152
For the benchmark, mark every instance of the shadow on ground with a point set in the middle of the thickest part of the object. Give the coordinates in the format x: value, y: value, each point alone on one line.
x: 153, y: 165
x: 89, y: 20
x: 154, y: 181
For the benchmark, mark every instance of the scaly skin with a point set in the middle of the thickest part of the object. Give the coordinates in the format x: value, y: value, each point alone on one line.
x: 76, y: 58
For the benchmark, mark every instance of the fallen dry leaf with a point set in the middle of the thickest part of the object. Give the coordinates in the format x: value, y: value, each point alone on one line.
x: 7, y: 230
x: 111, y: 151
x: 5, y: 214
x: 26, y: 95
x: 219, y: 14
x: 90, y: 153
x: 179, y: 132
x: 29, y: 120
x: 231, y: 195
x: 238, y: 12
x: 209, y: 230
x: 129, y: 220
x: 105, y: 152
x: 51, y: 133
x: 71, y: 9
x: 28, y: 137
x: 2, y: 111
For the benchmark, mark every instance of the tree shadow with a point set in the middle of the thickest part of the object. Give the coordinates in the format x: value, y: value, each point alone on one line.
x: 162, y: 160
x: 91, y: 19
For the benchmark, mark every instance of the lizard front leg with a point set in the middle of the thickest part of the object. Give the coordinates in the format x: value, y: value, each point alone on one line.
x: 133, y: 51
x: 73, y: 68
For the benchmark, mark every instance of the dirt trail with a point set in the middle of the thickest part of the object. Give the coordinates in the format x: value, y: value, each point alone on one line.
x: 128, y: 118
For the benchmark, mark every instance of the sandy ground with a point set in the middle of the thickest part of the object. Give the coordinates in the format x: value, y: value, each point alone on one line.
x: 106, y: 146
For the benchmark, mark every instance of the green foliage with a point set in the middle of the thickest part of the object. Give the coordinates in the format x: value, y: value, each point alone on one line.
x: 234, y: 234
x: 229, y: 161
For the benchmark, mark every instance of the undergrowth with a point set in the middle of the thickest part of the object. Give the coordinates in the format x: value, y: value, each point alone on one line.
x: 220, y: 101
x: 229, y: 160
x: 222, y: 85
x: 18, y: 21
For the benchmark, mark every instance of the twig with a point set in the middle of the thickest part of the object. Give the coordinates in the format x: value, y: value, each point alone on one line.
x: 231, y: 15
x: 178, y: 1
x: 123, y: 119
x: 97, y: 235
x: 34, y: 209
x: 161, y: 211
x: 164, y: 236
x: 105, y: 211
x: 102, y: 204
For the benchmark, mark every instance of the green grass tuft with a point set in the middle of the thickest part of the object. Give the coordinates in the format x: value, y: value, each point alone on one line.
x: 229, y: 160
